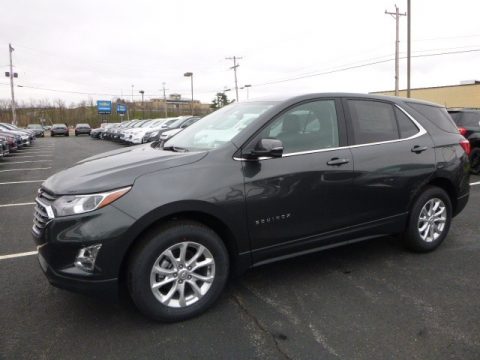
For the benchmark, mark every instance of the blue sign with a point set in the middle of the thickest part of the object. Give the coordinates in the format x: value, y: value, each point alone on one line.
x: 104, y: 107
x: 121, y: 109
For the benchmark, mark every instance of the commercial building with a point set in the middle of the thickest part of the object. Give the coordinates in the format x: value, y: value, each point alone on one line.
x: 176, y: 106
x: 464, y: 95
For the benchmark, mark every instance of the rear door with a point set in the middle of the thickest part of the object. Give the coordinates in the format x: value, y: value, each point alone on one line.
x: 393, y: 157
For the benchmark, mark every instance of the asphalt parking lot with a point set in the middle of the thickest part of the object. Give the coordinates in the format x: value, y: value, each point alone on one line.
x: 371, y: 300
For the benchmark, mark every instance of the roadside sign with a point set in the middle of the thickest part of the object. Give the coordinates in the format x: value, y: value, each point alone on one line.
x: 121, y: 109
x: 104, y: 107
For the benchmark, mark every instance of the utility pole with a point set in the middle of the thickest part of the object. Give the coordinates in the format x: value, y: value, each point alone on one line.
x: 396, y: 15
x: 409, y: 44
x: 14, y: 115
x: 165, y: 100
x: 234, y: 67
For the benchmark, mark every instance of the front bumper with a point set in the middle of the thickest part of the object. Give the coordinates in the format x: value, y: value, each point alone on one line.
x: 60, y: 241
x: 106, y: 289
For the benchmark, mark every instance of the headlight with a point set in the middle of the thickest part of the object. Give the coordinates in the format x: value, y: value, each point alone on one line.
x: 155, y: 133
x: 79, y: 204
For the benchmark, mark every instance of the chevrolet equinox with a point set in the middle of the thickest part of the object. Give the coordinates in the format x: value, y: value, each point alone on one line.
x: 251, y: 183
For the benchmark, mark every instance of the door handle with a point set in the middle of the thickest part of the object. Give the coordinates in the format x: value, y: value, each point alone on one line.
x: 337, y: 162
x: 418, y: 149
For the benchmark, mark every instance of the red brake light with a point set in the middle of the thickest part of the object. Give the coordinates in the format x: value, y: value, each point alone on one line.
x: 465, y: 144
x: 462, y: 131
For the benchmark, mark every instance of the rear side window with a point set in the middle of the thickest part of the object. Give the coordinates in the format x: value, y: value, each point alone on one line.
x: 437, y: 115
x: 405, y: 125
x: 372, y: 121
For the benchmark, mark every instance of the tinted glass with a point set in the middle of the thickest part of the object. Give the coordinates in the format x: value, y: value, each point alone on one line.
x: 372, y: 121
x: 406, y: 126
x: 310, y: 126
x: 437, y: 115
x: 470, y: 119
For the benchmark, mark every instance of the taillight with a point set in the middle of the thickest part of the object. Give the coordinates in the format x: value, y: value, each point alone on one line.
x: 465, y: 144
x: 462, y: 131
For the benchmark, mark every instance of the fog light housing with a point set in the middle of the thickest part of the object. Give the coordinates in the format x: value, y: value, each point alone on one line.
x: 86, y: 257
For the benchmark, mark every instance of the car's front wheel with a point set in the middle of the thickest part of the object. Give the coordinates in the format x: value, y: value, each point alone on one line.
x: 429, y: 220
x: 177, y: 271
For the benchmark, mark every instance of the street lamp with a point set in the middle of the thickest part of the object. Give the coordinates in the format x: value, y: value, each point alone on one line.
x: 143, y: 105
x: 190, y: 75
x: 246, y: 87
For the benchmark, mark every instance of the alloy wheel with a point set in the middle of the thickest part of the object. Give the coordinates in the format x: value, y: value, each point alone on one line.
x: 432, y: 219
x: 182, y: 274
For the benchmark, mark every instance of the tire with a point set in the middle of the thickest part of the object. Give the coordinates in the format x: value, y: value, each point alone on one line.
x: 67, y: 134
x: 417, y: 237
x: 165, y: 302
x: 475, y: 161
x: 52, y: 135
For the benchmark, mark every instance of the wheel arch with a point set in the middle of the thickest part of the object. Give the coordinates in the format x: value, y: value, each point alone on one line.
x: 443, y: 183
x: 193, y: 211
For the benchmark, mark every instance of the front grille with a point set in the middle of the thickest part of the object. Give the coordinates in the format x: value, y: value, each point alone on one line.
x: 43, y: 212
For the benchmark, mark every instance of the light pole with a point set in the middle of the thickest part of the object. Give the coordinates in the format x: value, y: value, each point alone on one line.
x: 12, y: 75
x: 143, y: 105
x: 190, y: 75
x: 246, y: 87
x: 165, y: 100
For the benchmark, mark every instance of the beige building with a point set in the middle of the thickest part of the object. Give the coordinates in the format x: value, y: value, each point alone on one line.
x: 176, y: 106
x: 452, y: 96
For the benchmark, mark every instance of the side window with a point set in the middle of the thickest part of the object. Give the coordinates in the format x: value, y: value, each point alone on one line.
x: 372, y: 121
x: 310, y: 126
x: 406, y: 126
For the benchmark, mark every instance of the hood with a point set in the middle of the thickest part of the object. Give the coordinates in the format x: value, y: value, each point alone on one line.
x: 116, y: 169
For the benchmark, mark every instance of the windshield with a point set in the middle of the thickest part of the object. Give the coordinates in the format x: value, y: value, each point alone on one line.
x: 176, y: 123
x: 218, y: 128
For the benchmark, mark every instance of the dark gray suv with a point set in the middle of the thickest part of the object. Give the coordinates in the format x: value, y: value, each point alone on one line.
x: 252, y: 183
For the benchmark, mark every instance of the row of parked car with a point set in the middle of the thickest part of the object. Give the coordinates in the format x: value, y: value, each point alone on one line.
x: 143, y: 131
x: 13, y: 138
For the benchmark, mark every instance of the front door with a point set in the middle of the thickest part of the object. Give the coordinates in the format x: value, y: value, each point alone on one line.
x: 305, y: 192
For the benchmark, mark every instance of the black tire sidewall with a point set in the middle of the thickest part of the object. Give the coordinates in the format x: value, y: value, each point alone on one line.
x: 413, y: 239
x: 149, y: 250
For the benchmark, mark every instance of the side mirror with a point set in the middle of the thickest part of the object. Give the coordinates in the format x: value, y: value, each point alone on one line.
x: 267, y: 148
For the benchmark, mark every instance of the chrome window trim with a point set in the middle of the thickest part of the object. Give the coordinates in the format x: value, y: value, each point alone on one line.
x: 420, y: 132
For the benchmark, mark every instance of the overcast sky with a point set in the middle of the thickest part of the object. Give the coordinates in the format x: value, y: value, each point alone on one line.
x: 104, y: 47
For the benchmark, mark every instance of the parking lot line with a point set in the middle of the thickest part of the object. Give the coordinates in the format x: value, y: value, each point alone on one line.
x: 27, y: 169
x: 31, y: 156
x: 12, y: 256
x: 24, y: 162
x: 17, y: 204
x: 475, y: 183
x: 21, y: 182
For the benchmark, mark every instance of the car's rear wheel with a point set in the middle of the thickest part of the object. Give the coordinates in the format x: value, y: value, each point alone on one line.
x: 429, y: 220
x: 177, y: 271
x: 475, y: 161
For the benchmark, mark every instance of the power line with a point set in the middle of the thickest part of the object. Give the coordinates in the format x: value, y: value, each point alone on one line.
x: 336, y: 70
x: 361, y: 66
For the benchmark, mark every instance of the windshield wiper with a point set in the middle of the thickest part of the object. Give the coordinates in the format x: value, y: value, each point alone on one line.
x: 175, y: 148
